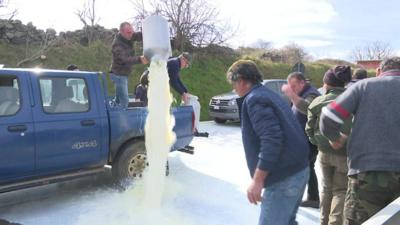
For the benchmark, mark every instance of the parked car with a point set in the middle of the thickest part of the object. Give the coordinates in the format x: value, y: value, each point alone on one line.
x: 224, y: 107
x: 57, y: 125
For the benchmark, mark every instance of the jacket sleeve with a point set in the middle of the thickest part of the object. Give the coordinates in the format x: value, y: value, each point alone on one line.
x: 266, y: 124
x: 303, y: 104
x: 334, y: 115
x: 121, y: 56
x: 174, y: 79
x: 312, y: 120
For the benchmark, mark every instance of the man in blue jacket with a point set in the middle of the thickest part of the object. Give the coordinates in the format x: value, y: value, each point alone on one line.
x: 174, y: 66
x: 275, y: 146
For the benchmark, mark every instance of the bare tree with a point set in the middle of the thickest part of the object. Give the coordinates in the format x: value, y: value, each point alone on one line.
x: 193, y: 22
x: 87, y: 15
x: 40, y: 53
x: 372, y: 51
x: 293, y: 53
x: 261, y: 44
x: 7, y: 14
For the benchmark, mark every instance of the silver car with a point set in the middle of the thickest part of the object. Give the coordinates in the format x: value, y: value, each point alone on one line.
x: 224, y: 107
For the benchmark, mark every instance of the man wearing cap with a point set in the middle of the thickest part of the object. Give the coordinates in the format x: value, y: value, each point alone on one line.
x: 333, y: 162
x: 275, y: 146
x: 174, y: 66
x: 373, y: 148
x: 301, y: 93
x: 123, y: 59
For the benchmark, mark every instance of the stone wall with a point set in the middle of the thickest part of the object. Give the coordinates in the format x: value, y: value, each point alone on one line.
x: 14, y: 32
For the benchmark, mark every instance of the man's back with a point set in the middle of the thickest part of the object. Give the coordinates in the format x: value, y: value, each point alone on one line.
x: 374, y: 143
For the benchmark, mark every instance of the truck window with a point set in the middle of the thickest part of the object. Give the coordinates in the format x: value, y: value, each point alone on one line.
x: 9, y: 95
x: 64, y: 95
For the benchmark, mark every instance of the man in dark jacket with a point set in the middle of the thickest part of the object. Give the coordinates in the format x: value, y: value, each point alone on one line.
x: 275, y: 146
x: 373, y: 148
x: 301, y: 93
x: 123, y: 59
x: 174, y: 66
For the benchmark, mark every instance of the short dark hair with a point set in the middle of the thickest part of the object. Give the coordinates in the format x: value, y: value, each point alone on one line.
x: 297, y: 75
x: 392, y: 63
x: 245, y: 70
x: 123, y: 24
x: 72, y: 67
x: 360, y: 74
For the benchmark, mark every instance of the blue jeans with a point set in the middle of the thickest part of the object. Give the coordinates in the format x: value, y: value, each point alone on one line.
x: 121, y: 89
x: 282, y: 199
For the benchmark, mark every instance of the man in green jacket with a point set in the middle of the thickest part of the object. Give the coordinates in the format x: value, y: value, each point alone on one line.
x: 333, y: 162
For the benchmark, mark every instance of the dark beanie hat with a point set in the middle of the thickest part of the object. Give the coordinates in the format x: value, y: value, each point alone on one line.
x: 338, y: 76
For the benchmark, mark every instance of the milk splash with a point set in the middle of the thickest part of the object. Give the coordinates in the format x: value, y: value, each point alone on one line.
x: 158, y: 130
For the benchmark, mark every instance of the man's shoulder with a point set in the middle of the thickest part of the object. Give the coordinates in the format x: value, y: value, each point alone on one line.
x: 322, y: 100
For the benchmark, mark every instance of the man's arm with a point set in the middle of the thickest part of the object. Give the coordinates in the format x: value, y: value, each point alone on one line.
x: 303, y: 103
x: 266, y: 126
x: 333, y: 115
x: 312, y: 116
x: 300, y: 103
x: 174, y: 79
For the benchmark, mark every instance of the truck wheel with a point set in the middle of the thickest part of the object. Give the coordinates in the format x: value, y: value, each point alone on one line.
x: 219, y: 121
x: 131, y: 163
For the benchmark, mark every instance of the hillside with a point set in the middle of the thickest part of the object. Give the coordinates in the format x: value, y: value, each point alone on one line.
x: 205, y: 77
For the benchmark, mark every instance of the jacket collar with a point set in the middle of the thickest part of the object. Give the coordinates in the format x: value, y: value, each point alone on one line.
x: 251, y: 90
x: 390, y: 73
x: 334, y: 90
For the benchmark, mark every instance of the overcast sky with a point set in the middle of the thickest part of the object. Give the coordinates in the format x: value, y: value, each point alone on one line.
x: 325, y: 28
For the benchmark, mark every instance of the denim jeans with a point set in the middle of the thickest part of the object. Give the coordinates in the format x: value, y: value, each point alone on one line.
x: 282, y: 199
x: 121, y: 89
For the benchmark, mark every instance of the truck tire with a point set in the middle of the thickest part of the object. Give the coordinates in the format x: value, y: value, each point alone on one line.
x: 219, y: 121
x: 130, y: 164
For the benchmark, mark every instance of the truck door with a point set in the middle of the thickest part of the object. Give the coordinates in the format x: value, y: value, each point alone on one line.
x: 17, y: 152
x: 67, y: 122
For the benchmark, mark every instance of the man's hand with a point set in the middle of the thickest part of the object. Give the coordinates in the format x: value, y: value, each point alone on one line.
x: 288, y: 91
x: 339, y: 143
x: 256, y: 186
x: 254, y: 191
x: 144, y: 60
x: 185, y: 97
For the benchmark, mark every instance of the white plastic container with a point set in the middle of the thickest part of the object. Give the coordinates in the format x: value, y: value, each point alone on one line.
x: 156, y: 38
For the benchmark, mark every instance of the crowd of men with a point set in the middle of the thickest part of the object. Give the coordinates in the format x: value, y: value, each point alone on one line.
x: 354, y: 126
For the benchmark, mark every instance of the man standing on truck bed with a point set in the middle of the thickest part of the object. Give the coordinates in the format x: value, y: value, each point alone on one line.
x: 174, y: 67
x: 123, y: 59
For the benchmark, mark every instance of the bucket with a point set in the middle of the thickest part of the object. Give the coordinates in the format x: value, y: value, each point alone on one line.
x: 156, y: 38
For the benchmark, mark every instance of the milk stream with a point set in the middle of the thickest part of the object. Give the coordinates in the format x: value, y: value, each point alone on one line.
x: 158, y: 132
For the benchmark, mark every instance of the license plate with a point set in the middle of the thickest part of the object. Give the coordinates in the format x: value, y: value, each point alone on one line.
x: 216, y: 107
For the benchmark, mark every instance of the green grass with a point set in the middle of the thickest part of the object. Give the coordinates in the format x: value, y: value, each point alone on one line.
x: 204, y: 78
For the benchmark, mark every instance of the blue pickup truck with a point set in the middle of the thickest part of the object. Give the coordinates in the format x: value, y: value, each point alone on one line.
x: 57, y: 125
